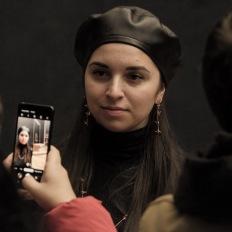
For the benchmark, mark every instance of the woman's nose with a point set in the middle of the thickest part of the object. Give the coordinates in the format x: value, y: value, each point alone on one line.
x: 115, y: 89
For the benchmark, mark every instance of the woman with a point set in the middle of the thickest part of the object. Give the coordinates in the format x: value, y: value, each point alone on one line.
x: 23, y: 150
x: 122, y: 150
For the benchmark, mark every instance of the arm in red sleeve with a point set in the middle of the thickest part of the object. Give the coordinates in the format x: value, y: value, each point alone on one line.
x: 79, y: 215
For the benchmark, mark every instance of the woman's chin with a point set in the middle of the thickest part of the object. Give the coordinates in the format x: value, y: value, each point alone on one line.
x: 117, y: 127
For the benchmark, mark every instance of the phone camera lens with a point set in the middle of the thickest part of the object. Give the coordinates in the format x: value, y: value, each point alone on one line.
x: 20, y: 175
x: 28, y: 164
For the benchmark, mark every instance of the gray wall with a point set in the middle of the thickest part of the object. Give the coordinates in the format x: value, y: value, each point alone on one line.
x: 37, y: 62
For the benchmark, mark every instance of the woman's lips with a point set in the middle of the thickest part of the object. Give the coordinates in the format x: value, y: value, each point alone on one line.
x: 114, y: 111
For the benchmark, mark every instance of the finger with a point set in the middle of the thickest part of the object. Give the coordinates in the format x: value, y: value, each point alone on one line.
x: 7, y: 162
x: 24, y: 194
x: 30, y: 184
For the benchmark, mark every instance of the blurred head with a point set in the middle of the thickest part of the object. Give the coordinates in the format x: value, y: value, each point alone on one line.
x: 217, y: 71
x: 23, y: 135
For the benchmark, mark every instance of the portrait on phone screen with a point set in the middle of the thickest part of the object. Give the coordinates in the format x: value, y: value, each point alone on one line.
x: 31, y: 143
x: 23, y: 149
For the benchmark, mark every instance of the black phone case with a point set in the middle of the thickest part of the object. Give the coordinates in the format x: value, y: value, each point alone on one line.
x: 36, y: 121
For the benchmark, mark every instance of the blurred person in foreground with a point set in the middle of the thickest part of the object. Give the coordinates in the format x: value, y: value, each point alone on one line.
x: 202, y: 201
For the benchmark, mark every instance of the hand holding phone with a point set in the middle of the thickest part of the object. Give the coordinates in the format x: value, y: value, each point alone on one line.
x: 55, y: 187
x: 32, y: 140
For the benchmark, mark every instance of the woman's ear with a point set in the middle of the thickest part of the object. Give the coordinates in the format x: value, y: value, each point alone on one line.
x: 160, y: 94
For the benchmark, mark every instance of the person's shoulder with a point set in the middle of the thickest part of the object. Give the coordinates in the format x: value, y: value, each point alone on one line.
x: 158, y: 213
x: 161, y: 202
x: 162, y: 215
x: 160, y: 206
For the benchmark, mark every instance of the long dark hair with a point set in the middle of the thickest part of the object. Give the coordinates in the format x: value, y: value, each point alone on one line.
x: 154, y: 175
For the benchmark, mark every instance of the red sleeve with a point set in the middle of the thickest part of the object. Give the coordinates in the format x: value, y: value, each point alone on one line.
x: 79, y: 215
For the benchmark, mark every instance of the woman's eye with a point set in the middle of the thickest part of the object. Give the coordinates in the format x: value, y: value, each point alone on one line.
x: 100, y: 73
x: 135, y: 77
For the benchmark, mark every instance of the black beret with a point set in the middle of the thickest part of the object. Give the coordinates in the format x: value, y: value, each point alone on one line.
x: 134, y: 26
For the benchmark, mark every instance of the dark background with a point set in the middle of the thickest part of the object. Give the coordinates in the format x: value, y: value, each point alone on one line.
x: 37, y: 63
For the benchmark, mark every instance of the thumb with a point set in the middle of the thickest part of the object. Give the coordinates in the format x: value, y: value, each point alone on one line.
x: 30, y: 184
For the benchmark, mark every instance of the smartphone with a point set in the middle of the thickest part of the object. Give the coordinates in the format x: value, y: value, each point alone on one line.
x: 32, y: 141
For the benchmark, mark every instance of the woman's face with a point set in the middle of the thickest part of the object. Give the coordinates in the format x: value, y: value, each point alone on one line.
x: 23, y: 137
x: 122, y: 85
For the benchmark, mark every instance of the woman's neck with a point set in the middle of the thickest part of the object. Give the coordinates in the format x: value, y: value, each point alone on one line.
x: 117, y: 146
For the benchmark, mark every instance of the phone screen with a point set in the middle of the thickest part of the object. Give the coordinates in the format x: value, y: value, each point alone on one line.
x: 32, y: 139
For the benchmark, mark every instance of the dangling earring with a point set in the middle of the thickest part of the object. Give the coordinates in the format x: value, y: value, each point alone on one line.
x: 87, y: 114
x: 83, y: 192
x: 158, y: 112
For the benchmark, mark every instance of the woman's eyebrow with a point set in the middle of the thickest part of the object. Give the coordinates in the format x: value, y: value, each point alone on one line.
x: 99, y: 64
x: 131, y: 68
x: 135, y: 68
